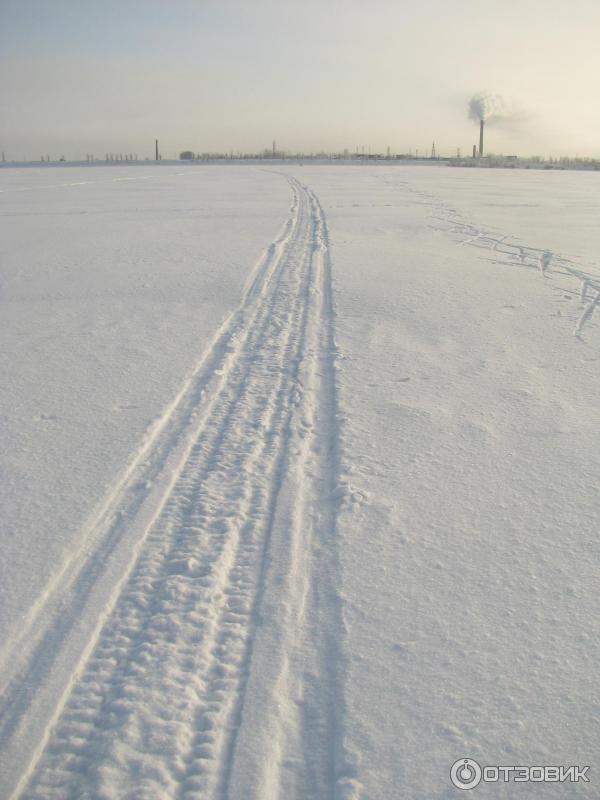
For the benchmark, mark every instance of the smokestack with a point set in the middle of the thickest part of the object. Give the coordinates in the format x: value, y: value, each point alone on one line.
x: 156, y: 145
x: 474, y: 151
x: 480, y: 138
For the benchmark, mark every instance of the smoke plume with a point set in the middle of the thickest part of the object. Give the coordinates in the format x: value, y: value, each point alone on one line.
x: 488, y: 107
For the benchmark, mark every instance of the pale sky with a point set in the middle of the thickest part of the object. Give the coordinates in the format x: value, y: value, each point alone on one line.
x: 82, y: 76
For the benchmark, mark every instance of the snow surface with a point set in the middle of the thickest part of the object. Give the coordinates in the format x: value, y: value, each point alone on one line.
x: 113, y: 282
x: 299, y: 477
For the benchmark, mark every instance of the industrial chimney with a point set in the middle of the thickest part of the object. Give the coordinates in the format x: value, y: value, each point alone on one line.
x: 480, y: 138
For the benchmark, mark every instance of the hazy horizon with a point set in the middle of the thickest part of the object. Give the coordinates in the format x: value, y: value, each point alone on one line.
x: 232, y: 76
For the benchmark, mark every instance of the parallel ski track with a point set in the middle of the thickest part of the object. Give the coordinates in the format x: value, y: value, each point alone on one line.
x: 54, y: 638
x: 508, y: 251
x: 548, y: 264
x: 156, y: 704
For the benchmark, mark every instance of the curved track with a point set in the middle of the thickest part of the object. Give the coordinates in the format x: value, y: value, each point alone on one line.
x: 213, y: 671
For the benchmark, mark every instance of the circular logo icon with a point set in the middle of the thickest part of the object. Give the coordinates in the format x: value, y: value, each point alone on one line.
x: 465, y: 773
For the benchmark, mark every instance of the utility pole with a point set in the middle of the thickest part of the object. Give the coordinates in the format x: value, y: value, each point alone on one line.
x: 274, y: 148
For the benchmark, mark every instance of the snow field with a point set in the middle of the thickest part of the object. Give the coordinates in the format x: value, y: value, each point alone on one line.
x: 470, y: 432
x: 190, y: 603
x: 359, y: 540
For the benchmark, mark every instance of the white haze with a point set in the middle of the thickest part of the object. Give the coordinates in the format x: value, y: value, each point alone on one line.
x: 79, y: 77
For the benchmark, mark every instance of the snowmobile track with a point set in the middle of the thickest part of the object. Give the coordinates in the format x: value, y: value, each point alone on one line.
x: 213, y: 671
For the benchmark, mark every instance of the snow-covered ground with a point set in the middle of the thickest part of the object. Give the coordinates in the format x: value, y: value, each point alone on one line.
x: 299, y: 477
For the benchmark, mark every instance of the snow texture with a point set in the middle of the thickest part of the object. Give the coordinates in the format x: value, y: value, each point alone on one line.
x: 300, y: 471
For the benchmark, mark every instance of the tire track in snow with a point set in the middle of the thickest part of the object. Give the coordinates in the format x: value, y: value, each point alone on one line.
x: 295, y: 679
x: 55, y: 635
x: 160, y: 704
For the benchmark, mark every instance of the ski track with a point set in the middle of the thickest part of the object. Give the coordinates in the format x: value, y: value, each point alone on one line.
x: 446, y: 219
x: 538, y: 258
x: 214, y: 670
